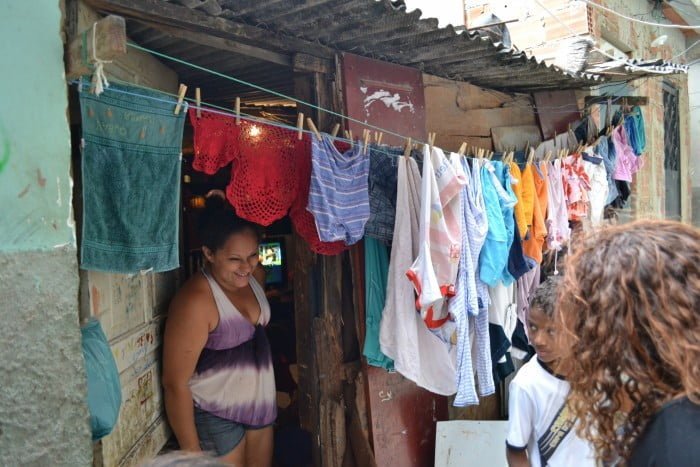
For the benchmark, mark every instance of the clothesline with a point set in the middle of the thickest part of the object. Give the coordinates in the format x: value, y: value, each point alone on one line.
x: 294, y: 99
x: 218, y: 110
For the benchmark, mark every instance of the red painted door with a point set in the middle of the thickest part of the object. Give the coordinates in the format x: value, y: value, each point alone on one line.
x: 402, y: 416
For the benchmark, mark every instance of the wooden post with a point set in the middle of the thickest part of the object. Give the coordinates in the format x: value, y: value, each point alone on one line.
x: 110, y: 41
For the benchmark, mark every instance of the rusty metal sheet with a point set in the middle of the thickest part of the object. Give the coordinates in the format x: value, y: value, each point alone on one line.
x: 386, y: 95
x: 555, y: 110
x: 403, y: 419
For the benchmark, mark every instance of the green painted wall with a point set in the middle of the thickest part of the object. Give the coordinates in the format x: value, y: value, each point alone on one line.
x: 35, y: 186
x: 43, y: 417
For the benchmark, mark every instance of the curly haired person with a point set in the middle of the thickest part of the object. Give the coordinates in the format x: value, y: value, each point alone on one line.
x: 630, y: 309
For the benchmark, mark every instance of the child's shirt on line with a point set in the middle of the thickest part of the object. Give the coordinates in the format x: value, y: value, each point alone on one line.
x: 536, y: 397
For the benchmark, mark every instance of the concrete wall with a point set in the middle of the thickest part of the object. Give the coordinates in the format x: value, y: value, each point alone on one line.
x: 694, y: 100
x: 43, y: 416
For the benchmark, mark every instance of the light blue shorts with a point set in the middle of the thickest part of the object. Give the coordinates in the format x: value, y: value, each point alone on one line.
x: 219, y: 435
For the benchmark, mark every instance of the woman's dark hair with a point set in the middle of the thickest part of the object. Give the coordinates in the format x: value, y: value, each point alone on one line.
x: 218, y: 222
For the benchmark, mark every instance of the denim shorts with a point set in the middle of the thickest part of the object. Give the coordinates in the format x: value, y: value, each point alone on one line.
x: 219, y: 435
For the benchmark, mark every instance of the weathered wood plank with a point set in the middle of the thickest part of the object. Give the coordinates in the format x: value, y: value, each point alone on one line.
x: 155, y: 11
x: 480, y: 121
x: 109, y: 43
x: 518, y: 137
x: 221, y: 43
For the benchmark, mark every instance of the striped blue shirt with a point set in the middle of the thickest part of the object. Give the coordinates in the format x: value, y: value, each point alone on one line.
x: 338, y: 191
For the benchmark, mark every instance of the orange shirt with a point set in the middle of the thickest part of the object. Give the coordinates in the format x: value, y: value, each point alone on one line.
x: 532, y: 247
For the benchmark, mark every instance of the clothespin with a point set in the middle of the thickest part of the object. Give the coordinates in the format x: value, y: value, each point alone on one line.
x: 568, y: 126
x: 313, y: 128
x: 238, y: 110
x: 180, y: 97
x: 379, y: 138
x: 531, y: 156
x: 462, y: 149
x: 527, y: 146
x: 198, y: 99
x: 548, y: 156
x: 300, y: 126
x: 366, y: 141
x: 407, y: 150
x: 352, y: 141
x: 348, y: 136
x: 335, y: 130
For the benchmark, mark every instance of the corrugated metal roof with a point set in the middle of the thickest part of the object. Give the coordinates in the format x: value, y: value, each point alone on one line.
x: 379, y: 29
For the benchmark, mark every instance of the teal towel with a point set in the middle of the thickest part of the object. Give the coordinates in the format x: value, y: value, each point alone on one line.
x: 376, y: 276
x: 131, y: 180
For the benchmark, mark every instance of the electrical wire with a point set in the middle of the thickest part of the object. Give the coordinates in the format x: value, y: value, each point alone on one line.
x: 686, y: 50
x: 630, y: 18
x: 597, y: 49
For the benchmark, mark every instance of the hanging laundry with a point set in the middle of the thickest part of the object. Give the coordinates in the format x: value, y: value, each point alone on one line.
x: 493, y: 260
x: 519, y: 208
x: 636, y: 134
x: 302, y: 220
x: 383, y: 170
x: 508, y: 202
x: 434, y: 271
x: 533, y: 246
x: 576, y: 187
x: 264, y: 163
x: 558, y: 231
x: 131, y: 180
x: 518, y: 263
x: 606, y: 150
x: 418, y: 354
x: 477, y: 230
x: 598, y: 194
x: 628, y: 163
x: 376, y: 271
x: 524, y: 289
x: 338, y: 197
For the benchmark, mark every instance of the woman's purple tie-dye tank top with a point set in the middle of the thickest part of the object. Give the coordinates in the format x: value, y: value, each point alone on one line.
x: 234, y: 378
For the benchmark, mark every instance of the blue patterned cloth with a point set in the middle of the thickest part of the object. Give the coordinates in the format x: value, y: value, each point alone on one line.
x: 338, y: 191
x: 131, y: 180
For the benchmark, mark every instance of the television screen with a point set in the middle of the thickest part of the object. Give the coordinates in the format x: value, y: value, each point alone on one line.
x: 271, y: 257
x: 270, y: 254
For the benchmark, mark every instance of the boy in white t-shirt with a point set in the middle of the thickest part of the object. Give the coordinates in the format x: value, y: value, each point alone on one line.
x: 541, y: 431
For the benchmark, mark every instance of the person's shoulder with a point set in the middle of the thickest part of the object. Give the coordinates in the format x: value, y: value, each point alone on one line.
x: 529, y: 374
x: 194, y: 294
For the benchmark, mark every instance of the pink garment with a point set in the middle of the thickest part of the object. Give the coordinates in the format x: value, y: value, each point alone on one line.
x: 558, y: 231
x: 434, y: 271
x: 576, y: 187
x: 628, y: 163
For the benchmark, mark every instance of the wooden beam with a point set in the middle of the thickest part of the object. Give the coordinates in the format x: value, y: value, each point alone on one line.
x: 220, y: 43
x: 617, y: 100
x: 309, y: 63
x: 110, y: 43
x: 159, y: 12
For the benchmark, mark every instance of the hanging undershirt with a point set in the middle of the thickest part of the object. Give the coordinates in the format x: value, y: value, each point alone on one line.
x: 418, y: 354
x: 338, y: 190
x: 302, y: 219
x: 264, y: 168
x: 558, y: 231
x: 434, y: 271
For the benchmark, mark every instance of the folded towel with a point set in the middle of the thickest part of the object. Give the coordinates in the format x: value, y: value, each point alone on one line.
x: 131, y: 180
